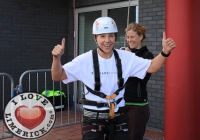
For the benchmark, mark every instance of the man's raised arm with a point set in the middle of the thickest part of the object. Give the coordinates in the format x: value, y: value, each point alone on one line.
x: 57, y: 71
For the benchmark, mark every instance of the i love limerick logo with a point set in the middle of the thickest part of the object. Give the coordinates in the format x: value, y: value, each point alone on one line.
x: 29, y: 115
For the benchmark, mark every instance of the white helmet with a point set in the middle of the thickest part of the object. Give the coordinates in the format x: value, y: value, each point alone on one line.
x: 104, y: 25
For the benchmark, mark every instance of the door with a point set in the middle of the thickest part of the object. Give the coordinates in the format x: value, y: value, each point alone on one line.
x: 121, y: 12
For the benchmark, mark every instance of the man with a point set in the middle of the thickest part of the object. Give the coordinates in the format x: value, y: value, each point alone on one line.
x: 104, y: 71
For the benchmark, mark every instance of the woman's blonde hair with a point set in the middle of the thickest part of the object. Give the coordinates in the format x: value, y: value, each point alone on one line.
x: 139, y: 29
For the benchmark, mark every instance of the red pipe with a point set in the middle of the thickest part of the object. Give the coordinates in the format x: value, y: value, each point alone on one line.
x: 182, y: 69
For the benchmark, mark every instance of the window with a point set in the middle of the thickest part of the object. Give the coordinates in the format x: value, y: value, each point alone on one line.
x: 86, y: 16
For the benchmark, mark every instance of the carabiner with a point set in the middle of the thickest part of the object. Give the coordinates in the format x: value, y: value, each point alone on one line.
x: 115, y: 103
x: 109, y: 105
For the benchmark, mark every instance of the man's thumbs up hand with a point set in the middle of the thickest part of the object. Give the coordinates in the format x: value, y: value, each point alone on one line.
x: 58, y: 50
x: 168, y: 44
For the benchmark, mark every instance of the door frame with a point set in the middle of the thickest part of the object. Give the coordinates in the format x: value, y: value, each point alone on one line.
x: 104, y: 10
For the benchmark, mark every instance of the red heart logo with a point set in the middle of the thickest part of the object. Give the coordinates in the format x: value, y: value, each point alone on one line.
x: 30, y: 118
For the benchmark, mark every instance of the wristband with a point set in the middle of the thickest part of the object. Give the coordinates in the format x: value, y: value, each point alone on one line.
x: 164, y: 54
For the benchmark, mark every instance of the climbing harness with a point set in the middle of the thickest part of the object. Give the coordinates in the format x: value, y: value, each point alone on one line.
x: 97, y: 85
x: 101, y: 127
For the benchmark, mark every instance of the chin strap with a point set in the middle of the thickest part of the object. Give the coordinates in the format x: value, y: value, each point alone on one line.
x: 101, y: 49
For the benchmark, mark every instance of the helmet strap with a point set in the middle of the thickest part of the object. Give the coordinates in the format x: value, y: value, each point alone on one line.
x: 102, y: 50
x: 97, y: 44
x: 99, y: 47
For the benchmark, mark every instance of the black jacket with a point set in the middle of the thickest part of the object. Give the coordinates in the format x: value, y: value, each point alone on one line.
x: 135, y: 89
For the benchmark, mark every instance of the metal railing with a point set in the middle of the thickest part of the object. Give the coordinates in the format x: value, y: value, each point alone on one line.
x: 3, y: 132
x: 39, y: 81
x: 46, y: 73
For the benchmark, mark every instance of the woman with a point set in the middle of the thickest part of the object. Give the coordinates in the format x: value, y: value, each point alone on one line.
x: 104, y: 71
x: 135, y: 92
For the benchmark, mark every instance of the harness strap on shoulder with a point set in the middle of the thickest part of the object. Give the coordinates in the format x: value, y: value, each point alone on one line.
x: 97, y: 83
x: 119, y: 69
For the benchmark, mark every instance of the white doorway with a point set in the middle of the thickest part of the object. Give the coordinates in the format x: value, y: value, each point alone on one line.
x: 87, y: 15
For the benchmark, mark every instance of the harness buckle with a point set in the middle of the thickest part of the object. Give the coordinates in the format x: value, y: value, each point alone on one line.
x: 109, y: 105
x: 101, y: 127
x: 115, y: 103
x: 122, y: 127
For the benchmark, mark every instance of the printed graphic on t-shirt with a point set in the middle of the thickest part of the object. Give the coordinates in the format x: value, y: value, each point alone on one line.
x: 106, y: 74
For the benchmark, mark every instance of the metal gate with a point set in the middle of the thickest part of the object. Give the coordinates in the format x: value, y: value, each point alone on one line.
x: 34, y: 80
x: 40, y: 81
x: 6, y: 81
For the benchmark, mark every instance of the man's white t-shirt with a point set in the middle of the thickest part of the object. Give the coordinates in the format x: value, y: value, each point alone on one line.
x: 81, y: 68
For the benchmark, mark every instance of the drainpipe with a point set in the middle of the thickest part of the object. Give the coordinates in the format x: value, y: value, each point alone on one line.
x: 182, y: 69
x: 74, y: 11
x: 76, y: 95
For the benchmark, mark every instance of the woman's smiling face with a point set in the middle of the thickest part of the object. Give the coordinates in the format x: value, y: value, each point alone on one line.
x: 133, y: 39
x: 106, y: 42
